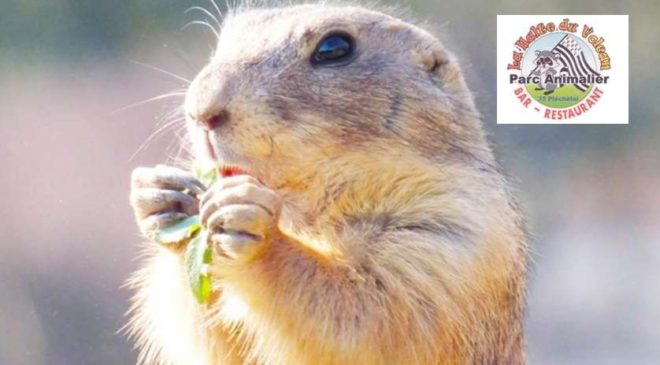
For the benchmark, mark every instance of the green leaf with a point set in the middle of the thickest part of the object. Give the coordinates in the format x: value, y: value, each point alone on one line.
x: 179, y: 232
x: 198, y: 257
x: 194, y: 228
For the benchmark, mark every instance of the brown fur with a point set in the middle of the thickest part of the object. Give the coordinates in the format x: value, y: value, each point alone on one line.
x: 399, y: 242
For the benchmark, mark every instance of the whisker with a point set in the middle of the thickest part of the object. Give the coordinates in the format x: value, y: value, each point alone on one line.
x: 150, y: 100
x: 228, y: 6
x: 171, y: 123
x: 206, y: 24
x: 175, y: 116
x: 218, y: 9
x: 169, y: 117
x: 217, y: 22
x: 180, y: 78
x: 183, y: 57
x: 152, y: 137
x: 177, y: 111
x: 178, y: 146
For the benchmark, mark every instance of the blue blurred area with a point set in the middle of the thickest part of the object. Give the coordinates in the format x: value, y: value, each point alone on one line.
x: 68, y: 239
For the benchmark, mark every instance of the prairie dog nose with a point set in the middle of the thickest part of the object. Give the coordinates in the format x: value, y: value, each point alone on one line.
x: 212, y: 121
x: 208, y: 98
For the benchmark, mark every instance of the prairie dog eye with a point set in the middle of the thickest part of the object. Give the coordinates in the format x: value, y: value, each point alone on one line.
x: 335, y: 48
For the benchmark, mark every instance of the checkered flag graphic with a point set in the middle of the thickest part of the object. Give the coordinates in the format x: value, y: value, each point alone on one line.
x: 572, y: 58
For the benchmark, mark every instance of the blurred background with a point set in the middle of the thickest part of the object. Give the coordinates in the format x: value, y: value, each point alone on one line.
x: 67, y: 236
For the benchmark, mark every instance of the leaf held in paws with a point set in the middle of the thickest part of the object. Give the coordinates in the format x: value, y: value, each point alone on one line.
x: 198, y: 254
x: 198, y: 258
x: 178, y: 232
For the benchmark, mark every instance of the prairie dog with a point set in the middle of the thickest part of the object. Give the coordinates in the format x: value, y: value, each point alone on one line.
x: 368, y: 224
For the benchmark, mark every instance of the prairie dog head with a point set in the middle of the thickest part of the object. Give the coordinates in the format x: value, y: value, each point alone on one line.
x: 296, y: 92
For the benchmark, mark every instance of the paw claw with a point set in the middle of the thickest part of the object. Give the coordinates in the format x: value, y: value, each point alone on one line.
x: 150, y: 225
x: 240, y: 218
x: 235, y: 244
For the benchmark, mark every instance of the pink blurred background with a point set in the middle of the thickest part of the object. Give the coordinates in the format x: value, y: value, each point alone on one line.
x: 68, y: 239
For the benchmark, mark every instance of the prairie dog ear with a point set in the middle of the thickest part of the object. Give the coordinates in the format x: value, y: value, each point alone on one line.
x: 426, y: 51
x: 442, y: 66
x: 431, y: 54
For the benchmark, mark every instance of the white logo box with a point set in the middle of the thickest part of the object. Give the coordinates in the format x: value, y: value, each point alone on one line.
x: 611, y: 107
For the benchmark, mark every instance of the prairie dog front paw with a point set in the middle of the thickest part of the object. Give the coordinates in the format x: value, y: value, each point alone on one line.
x: 240, y: 214
x: 163, y: 195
